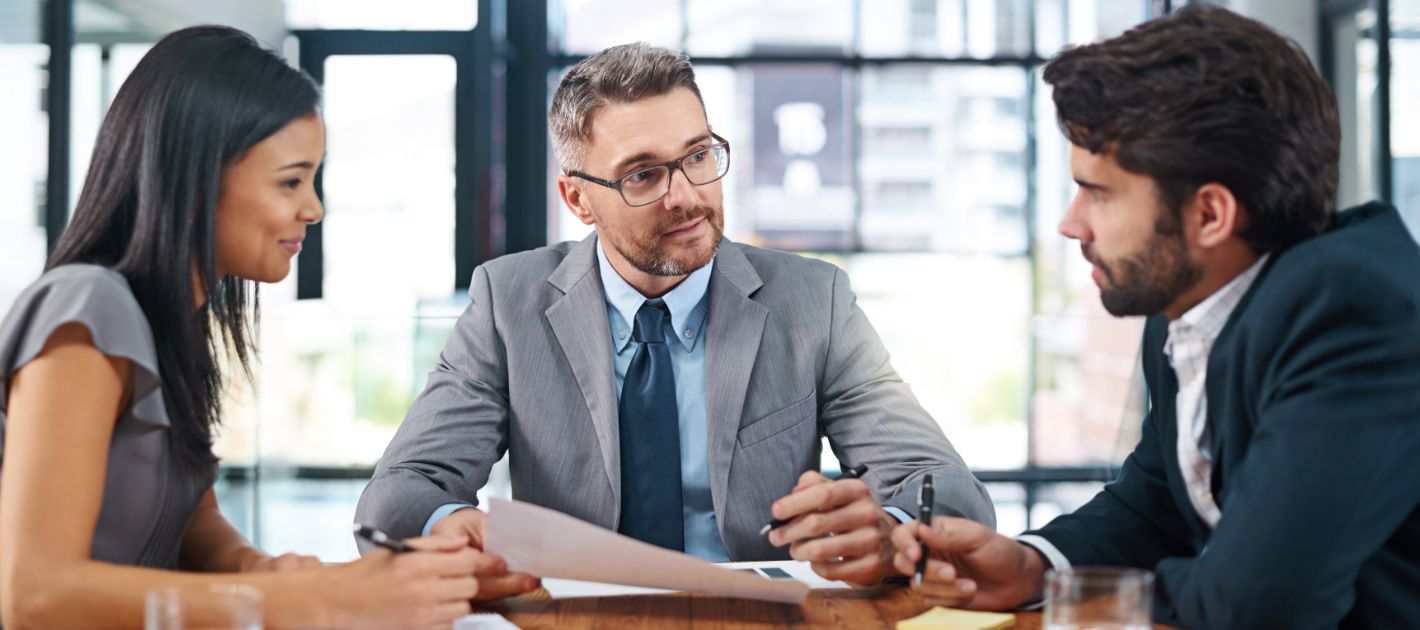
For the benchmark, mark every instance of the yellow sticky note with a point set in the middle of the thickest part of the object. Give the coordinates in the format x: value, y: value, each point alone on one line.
x: 952, y: 619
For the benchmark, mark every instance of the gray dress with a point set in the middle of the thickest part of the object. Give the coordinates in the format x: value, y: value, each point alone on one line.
x: 148, y: 498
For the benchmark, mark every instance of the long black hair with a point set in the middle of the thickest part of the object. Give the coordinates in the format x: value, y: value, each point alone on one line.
x: 196, y: 103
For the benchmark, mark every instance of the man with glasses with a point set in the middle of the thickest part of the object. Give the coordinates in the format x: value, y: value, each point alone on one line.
x: 659, y: 380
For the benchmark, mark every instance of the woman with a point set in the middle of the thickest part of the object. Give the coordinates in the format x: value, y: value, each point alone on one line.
x: 201, y: 182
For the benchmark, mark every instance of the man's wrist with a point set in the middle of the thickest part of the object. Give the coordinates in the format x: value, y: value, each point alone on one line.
x: 440, y: 514
x: 1034, y: 563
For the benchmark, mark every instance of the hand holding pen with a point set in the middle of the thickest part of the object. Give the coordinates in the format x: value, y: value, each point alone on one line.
x: 837, y: 526
x: 852, y: 472
x: 429, y: 579
x: 961, y: 563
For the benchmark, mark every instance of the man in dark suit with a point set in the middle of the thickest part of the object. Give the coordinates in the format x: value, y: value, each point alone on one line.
x: 1277, y: 477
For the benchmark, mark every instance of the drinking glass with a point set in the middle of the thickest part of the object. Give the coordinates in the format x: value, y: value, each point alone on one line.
x: 224, y: 606
x: 1098, y: 598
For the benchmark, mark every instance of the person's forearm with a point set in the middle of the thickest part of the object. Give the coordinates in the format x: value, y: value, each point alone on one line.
x: 212, y: 545
x: 91, y: 594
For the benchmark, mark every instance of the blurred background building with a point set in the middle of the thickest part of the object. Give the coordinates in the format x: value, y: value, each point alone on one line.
x: 910, y: 142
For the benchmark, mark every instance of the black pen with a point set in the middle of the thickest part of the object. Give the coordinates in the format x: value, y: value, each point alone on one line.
x: 853, y: 472
x: 380, y: 538
x: 924, y: 516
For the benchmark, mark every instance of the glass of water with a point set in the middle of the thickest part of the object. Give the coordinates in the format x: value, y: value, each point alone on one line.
x: 224, y: 606
x: 1098, y: 598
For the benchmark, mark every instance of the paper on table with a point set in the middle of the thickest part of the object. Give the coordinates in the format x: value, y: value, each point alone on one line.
x: 801, y: 571
x: 550, y: 544
x: 558, y: 588
x: 953, y: 619
x: 483, y: 621
x: 565, y: 589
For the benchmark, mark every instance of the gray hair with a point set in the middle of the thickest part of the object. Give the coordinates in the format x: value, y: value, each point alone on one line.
x: 620, y: 74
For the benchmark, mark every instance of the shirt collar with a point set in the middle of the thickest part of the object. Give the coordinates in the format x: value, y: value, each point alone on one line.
x: 685, y: 302
x: 1207, y: 318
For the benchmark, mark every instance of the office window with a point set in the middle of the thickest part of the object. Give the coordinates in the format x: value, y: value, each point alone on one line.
x: 942, y: 165
x: 946, y: 28
x: 1404, y: 122
x: 586, y: 27
x: 406, y: 15
x: 739, y: 27
x: 24, y: 127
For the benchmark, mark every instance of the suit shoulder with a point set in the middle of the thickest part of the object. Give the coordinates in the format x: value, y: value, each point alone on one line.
x: 1362, y: 273
x: 773, y: 264
x: 1367, y: 260
x: 529, y: 265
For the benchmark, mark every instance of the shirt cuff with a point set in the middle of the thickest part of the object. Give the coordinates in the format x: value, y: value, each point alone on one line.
x: 438, y: 515
x: 1057, y: 560
x: 897, y: 513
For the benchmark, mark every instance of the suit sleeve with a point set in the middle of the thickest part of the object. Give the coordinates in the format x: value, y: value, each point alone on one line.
x: 455, y: 431
x: 1134, y: 521
x: 1330, y: 474
x: 871, y: 418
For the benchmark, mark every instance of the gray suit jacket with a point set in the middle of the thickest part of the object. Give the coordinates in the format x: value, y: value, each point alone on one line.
x: 790, y: 358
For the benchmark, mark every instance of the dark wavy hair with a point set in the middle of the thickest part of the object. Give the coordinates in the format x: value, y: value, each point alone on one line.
x: 195, y: 104
x: 1206, y: 95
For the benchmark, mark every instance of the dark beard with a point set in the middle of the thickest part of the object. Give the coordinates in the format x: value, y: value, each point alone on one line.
x: 1147, y: 282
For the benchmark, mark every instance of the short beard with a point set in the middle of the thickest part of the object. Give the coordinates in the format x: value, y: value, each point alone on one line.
x: 650, y: 259
x: 657, y: 262
x: 1151, y: 280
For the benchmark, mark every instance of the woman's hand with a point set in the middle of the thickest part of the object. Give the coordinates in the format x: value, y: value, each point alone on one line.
x: 429, y: 588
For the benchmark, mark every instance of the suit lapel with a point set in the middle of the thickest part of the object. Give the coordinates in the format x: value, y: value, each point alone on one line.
x: 1223, y: 421
x: 579, y: 321
x: 735, y: 326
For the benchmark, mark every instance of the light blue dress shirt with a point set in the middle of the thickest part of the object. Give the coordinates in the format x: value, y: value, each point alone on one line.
x: 688, y: 306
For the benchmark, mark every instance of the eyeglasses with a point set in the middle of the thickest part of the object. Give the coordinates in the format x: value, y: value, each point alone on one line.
x: 648, y: 185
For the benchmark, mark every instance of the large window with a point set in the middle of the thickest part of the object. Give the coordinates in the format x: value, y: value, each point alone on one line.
x: 1370, y: 52
x: 1404, y: 120
x: 24, y: 128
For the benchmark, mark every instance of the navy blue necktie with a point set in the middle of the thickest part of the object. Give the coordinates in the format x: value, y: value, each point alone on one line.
x: 651, y: 502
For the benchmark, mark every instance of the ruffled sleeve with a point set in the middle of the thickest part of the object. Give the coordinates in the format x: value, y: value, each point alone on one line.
x: 100, y: 299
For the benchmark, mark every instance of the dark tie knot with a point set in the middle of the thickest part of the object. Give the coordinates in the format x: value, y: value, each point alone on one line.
x: 650, y: 322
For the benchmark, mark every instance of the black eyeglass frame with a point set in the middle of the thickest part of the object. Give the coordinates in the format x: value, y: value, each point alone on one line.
x: 671, y: 167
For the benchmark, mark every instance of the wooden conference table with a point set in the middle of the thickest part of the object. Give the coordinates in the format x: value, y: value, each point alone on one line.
x: 874, y: 608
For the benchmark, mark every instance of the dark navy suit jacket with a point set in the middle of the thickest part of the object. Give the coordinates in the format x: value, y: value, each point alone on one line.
x: 1314, y: 412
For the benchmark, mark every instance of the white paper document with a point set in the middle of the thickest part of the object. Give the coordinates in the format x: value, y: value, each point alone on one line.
x: 786, y: 570
x: 550, y: 544
x: 774, y: 569
x: 483, y: 621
